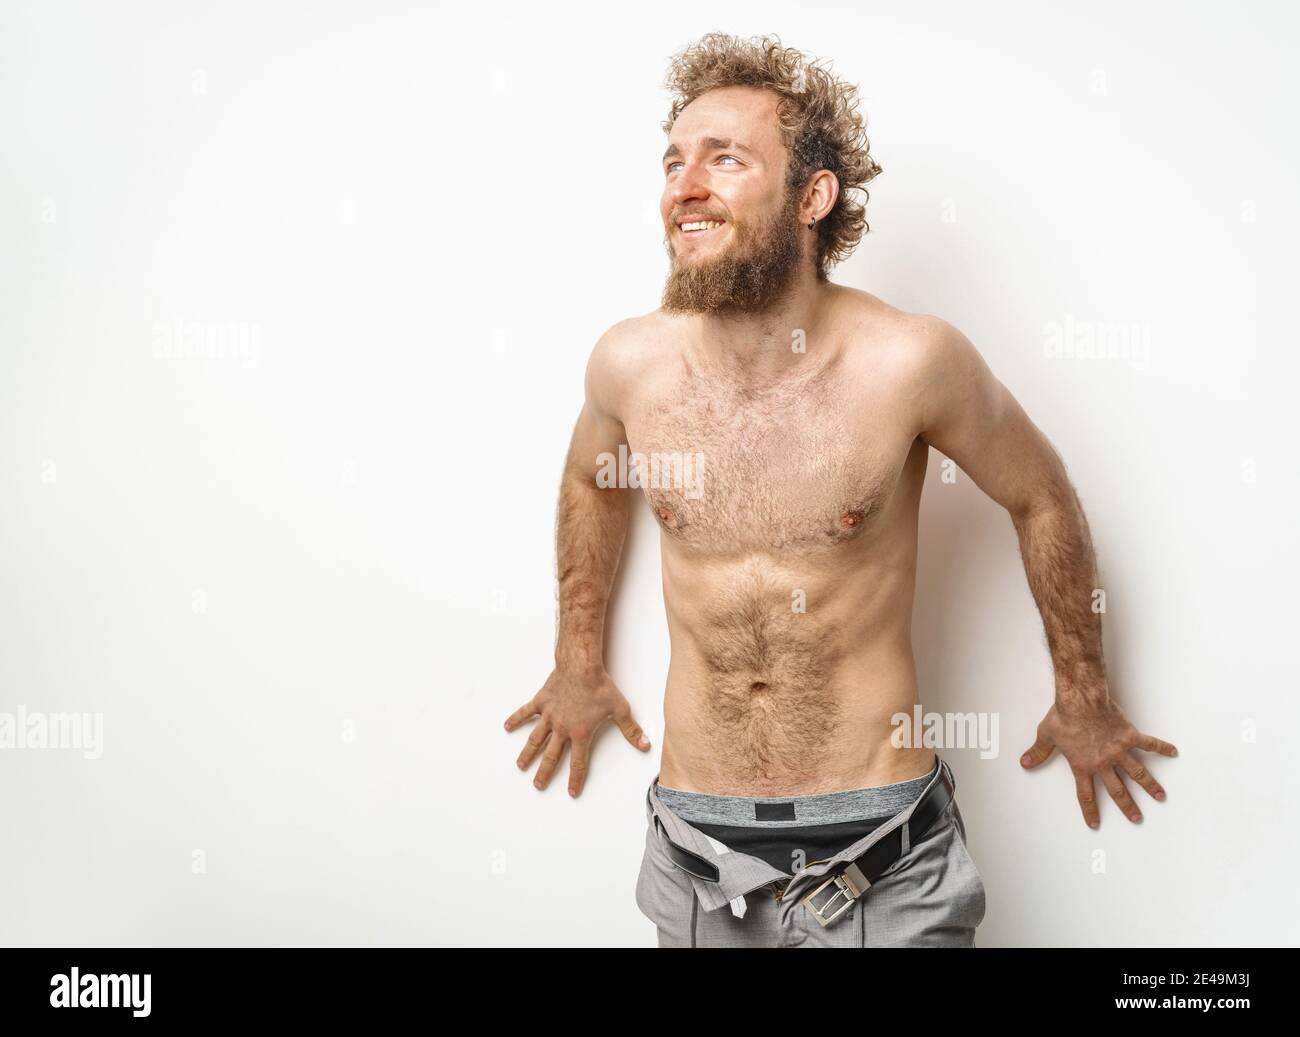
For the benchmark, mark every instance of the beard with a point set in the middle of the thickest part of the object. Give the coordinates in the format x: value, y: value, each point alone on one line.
x: 754, y: 272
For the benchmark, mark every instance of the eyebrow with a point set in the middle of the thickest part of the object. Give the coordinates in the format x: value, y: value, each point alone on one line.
x: 711, y: 144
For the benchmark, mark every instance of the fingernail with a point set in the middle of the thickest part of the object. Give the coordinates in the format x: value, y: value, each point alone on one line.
x: 537, y: 784
x: 1174, y: 753
x: 1093, y: 824
x: 1160, y: 794
x: 573, y: 793
x: 644, y: 743
x: 1024, y: 760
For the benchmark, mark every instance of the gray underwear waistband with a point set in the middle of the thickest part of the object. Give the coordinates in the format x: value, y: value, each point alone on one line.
x: 878, y: 801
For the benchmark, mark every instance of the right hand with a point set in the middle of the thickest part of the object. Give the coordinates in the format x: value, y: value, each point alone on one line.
x: 572, y: 706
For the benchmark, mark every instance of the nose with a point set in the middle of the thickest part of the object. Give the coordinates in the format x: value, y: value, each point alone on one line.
x: 688, y: 186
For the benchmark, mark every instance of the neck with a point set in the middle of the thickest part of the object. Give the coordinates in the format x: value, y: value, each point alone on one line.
x: 765, y: 346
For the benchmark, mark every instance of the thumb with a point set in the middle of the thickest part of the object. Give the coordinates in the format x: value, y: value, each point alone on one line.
x: 1036, y: 753
x: 632, y: 730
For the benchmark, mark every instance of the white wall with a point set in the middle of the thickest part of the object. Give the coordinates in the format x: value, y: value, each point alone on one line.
x: 305, y: 583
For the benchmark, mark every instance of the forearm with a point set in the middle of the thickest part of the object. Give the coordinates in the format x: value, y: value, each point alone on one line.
x: 1056, y: 547
x: 591, y: 526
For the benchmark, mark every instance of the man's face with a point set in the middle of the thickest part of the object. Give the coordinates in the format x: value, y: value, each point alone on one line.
x: 732, y: 230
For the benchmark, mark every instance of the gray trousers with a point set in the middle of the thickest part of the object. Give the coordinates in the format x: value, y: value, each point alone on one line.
x: 932, y: 896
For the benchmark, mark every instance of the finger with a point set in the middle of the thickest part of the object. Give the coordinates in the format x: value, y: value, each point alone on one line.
x: 1119, y: 793
x: 1037, y: 753
x: 1134, y: 769
x: 525, y: 712
x: 1087, y: 793
x: 534, y: 745
x: 578, y: 762
x: 550, y: 760
x: 631, y: 729
x: 1156, y: 745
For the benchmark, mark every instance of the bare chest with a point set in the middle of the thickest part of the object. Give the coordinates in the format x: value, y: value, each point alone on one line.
x: 729, y: 471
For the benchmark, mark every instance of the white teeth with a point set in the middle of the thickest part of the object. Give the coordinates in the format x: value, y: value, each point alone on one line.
x: 702, y: 225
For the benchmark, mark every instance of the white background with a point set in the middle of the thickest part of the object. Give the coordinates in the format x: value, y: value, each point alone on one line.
x: 305, y: 583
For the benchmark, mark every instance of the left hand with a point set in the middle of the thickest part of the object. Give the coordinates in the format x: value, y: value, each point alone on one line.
x: 1098, y: 740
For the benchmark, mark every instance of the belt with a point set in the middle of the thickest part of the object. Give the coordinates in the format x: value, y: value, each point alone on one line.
x: 854, y: 878
x: 691, y: 863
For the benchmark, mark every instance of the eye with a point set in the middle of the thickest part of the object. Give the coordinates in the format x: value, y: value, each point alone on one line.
x: 732, y: 157
x: 670, y: 165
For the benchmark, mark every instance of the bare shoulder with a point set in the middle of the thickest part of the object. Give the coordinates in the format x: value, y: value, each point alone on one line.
x: 622, y: 358
x: 914, y: 348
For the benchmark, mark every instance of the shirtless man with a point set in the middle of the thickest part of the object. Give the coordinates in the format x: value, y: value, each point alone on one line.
x: 803, y: 413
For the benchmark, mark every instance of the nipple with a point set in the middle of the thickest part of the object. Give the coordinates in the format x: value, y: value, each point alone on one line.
x: 852, y: 519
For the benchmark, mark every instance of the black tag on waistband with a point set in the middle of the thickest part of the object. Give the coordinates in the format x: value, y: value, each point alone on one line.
x: 774, y: 812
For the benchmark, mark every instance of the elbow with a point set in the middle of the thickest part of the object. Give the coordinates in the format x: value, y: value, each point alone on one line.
x: 1057, y: 500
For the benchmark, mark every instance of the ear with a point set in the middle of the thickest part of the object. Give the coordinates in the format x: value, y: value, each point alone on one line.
x: 820, y: 195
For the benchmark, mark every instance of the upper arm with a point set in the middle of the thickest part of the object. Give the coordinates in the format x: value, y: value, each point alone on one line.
x: 599, y: 429
x: 967, y: 414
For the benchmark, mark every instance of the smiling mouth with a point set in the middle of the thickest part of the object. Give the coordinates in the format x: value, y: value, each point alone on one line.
x: 692, y: 229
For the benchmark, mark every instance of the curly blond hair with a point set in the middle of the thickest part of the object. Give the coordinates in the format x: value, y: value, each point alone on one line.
x: 819, y: 119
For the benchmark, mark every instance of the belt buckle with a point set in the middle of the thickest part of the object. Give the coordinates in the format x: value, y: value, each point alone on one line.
x: 849, y: 884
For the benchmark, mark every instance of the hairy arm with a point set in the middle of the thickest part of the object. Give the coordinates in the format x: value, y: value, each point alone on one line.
x: 590, y: 529
x: 971, y: 417
x: 591, y: 526
x: 966, y: 413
